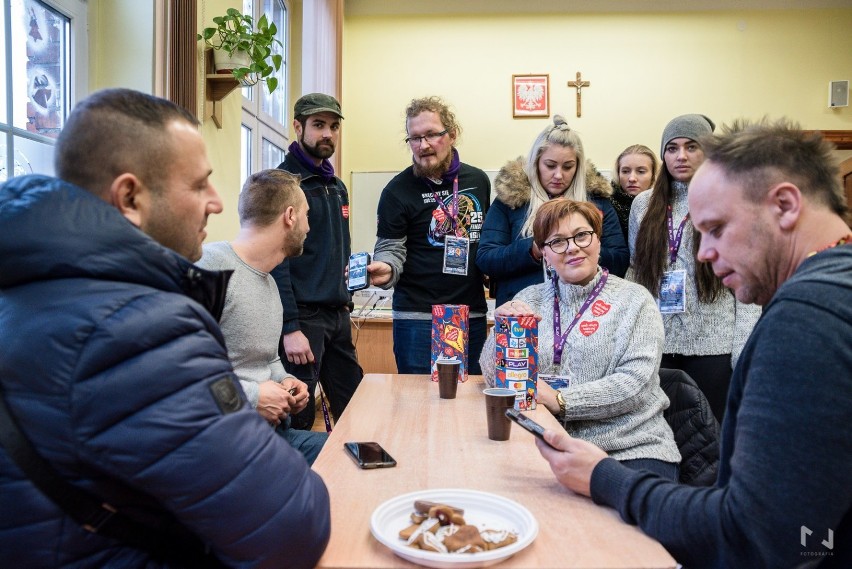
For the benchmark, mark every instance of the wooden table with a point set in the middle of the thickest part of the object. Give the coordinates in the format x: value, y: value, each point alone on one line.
x: 443, y: 443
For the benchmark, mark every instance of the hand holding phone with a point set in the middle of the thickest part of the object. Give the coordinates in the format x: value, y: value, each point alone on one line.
x: 359, y: 278
x: 527, y: 424
x: 369, y: 455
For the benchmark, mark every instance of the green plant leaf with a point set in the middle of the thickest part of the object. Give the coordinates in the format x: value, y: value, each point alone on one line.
x: 271, y: 84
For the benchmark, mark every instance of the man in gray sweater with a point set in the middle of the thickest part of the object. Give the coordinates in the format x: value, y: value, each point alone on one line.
x: 770, y: 209
x: 273, y: 225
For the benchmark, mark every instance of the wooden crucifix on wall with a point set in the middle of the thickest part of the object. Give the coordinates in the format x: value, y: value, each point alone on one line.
x: 579, y: 84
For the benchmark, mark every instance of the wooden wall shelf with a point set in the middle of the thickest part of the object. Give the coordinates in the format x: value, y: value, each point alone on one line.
x: 217, y: 87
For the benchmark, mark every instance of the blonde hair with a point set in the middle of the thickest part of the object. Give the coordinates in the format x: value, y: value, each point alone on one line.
x: 642, y: 150
x: 558, y: 133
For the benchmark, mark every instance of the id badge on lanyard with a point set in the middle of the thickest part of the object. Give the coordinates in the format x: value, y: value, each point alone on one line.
x: 456, y: 248
x: 456, y: 254
x: 673, y: 292
x: 673, y: 286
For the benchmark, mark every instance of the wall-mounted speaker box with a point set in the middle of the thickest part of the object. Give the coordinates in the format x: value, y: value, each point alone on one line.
x: 838, y: 94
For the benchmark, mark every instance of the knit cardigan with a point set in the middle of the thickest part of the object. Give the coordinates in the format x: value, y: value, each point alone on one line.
x: 613, y: 399
x: 705, y: 329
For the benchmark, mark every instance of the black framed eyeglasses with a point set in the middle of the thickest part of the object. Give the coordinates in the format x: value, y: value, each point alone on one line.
x: 428, y: 137
x: 560, y: 244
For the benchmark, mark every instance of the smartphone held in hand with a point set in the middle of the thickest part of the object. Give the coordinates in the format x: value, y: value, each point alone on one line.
x: 526, y: 423
x: 359, y: 278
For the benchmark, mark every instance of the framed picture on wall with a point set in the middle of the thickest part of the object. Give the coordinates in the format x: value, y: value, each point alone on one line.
x: 530, y: 96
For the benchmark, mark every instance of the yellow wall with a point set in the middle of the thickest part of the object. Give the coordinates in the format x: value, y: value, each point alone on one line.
x: 644, y: 68
x: 223, y: 145
x: 119, y: 60
x: 114, y: 60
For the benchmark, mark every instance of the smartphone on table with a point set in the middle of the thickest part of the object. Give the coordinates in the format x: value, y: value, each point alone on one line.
x: 527, y: 423
x: 358, y: 276
x: 369, y: 455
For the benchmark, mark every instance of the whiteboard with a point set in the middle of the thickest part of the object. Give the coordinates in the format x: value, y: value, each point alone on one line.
x: 364, y: 192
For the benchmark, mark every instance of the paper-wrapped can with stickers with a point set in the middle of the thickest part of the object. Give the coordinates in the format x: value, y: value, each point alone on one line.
x: 450, y: 336
x: 516, y: 356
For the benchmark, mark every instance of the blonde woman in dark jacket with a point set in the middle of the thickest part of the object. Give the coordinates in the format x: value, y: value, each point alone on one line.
x: 555, y: 167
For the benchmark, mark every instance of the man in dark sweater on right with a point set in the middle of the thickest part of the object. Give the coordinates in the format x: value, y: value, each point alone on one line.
x: 771, y: 212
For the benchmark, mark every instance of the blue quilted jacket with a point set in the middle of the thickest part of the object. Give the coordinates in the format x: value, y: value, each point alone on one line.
x: 107, y: 363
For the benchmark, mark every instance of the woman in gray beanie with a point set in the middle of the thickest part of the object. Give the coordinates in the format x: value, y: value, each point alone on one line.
x: 705, y: 326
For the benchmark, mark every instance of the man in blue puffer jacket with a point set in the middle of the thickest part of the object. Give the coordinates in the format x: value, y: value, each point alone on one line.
x: 114, y: 367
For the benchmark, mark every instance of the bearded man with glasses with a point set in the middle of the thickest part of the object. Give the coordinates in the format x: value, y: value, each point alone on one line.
x: 429, y: 223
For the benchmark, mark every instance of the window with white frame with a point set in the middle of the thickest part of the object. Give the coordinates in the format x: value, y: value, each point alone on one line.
x: 44, y: 69
x: 264, y: 122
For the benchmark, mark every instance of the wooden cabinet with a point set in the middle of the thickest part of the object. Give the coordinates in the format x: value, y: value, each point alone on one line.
x: 373, y: 339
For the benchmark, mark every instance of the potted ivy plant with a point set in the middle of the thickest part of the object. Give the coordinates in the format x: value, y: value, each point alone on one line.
x: 244, y: 48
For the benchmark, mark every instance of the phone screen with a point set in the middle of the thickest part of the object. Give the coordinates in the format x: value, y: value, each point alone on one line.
x: 526, y: 423
x: 358, y: 276
x: 370, y: 455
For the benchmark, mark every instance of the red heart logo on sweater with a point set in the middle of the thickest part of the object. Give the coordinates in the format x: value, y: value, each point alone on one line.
x: 599, y: 308
x: 588, y: 327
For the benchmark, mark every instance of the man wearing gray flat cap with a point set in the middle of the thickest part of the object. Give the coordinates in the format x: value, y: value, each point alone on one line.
x: 317, y: 334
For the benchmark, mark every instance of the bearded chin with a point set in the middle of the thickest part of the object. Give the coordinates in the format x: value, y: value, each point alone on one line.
x: 434, y: 172
x: 320, y: 153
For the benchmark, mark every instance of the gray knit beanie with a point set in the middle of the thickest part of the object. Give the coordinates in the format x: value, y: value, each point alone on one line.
x: 692, y: 127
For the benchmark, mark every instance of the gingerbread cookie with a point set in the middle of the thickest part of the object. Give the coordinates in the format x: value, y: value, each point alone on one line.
x: 467, y: 538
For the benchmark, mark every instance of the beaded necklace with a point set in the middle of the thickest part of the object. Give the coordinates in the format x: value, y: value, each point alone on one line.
x: 842, y: 241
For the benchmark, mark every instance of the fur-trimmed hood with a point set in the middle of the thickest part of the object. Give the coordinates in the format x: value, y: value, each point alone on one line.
x: 513, y: 188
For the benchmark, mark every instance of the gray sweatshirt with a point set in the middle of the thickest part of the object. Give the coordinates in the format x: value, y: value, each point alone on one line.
x: 251, y: 320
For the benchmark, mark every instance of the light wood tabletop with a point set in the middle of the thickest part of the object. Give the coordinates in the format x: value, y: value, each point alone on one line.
x: 443, y: 443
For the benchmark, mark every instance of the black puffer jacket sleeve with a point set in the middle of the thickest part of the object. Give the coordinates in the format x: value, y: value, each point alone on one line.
x: 695, y: 428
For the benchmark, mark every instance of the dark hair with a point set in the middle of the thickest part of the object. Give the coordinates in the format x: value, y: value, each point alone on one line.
x: 265, y: 196
x: 114, y: 131
x: 550, y: 214
x: 652, y: 246
x: 437, y: 106
x: 764, y: 153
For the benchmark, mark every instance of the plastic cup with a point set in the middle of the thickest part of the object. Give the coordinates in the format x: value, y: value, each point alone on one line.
x: 497, y: 400
x: 448, y: 378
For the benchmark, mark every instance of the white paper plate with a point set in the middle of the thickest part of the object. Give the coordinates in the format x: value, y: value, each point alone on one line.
x: 481, y: 509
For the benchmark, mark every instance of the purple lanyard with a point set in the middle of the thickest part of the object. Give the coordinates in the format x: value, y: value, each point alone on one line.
x: 674, y: 240
x: 558, y: 337
x: 315, y: 369
x: 451, y: 212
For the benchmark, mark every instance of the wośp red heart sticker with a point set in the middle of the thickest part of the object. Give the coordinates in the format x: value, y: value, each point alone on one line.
x: 588, y: 327
x: 599, y: 308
